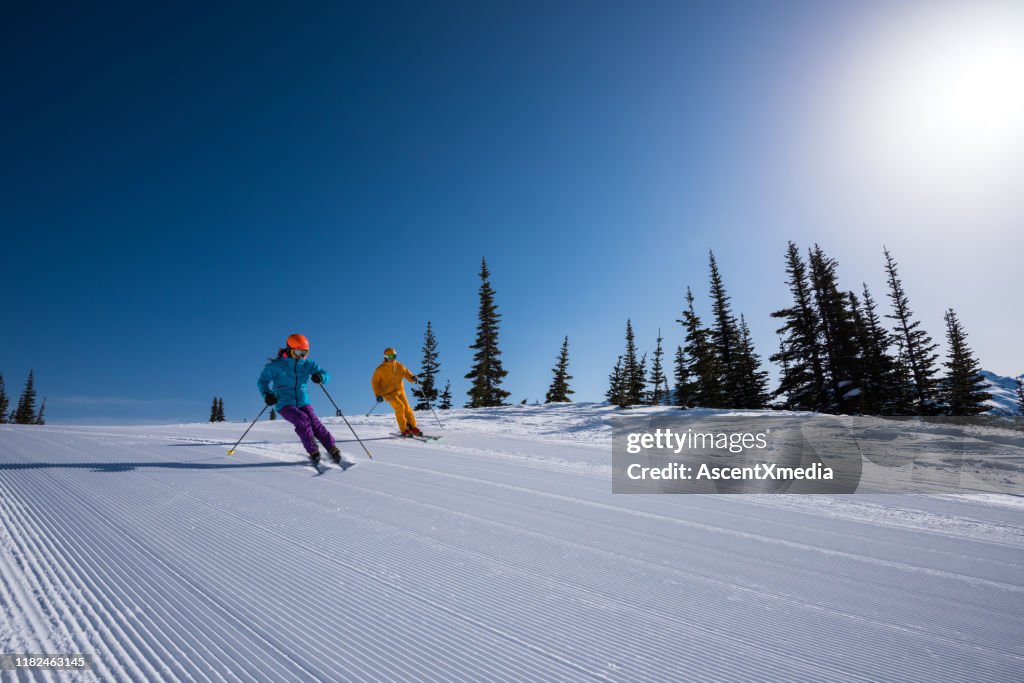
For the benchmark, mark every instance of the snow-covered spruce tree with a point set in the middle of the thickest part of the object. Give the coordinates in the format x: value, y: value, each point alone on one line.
x: 752, y: 387
x: 838, y: 334
x: 487, y: 372
x: 5, y: 403
x: 559, y: 390
x: 659, y: 383
x: 1020, y: 396
x: 617, y: 392
x: 220, y: 410
x: 273, y: 414
x: 41, y: 415
x: 802, y: 383
x: 446, y: 397
x: 918, y: 349
x: 213, y: 410
x: 705, y: 377
x: 426, y: 392
x: 724, y: 337
x: 25, y: 414
x: 963, y: 387
x: 877, y: 380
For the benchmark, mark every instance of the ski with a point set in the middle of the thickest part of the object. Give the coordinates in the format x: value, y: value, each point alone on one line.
x: 344, y: 464
x: 422, y: 437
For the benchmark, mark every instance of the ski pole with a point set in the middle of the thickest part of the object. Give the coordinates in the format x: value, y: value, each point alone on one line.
x: 432, y: 410
x: 372, y: 408
x: 342, y: 416
x: 423, y: 395
x: 231, y: 451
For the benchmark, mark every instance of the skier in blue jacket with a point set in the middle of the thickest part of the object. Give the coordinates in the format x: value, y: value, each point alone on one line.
x: 288, y: 373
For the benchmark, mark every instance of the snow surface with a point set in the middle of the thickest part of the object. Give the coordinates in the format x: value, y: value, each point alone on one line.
x: 497, y: 553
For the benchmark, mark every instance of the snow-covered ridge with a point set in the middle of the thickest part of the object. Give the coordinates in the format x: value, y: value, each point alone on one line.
x: 1004, y: 393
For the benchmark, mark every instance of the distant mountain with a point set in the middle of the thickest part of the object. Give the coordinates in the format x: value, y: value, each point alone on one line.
x: 1004, y: 393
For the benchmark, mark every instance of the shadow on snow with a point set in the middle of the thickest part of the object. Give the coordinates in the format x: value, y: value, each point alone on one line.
x: 130, y: 466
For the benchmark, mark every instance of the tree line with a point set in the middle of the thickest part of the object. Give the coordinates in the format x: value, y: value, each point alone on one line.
x: 25, y: 413
x: 836, y: 354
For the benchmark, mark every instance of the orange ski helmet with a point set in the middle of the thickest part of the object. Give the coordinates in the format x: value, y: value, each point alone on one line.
x: 390, y: 352
x: 298, y: 341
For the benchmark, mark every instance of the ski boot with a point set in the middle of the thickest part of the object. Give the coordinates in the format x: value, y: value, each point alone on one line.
x: 415, y: 431
x: 339, y: 460
x: 407, y: 433
x: 314, y: 459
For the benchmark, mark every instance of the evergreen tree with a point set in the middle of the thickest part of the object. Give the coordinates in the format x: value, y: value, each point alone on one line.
x: 41, y: 415
x: 640, y: 383
x: 426, y: 392
x: 5, y: 403
x: 487, y: 372
x: 617, y: 393
x: 918, y: 350
x: 902, y: 382
x: 632, y: 382
x: 880, y: 392
x: 1020, y: 395
x: 963, y: 387
x: 559, y: 390
x: 214, y: 415
x: 682, y: 377
x: 25, y: 414
x: 781, y: 355
x: 752, y: 387
x: 724, y: 336
x: 802, y: 382
x: 220, y: 410
x: 704, y: 387
x: 838, y: 329
x: 659, y: 383
x: 273, y: 414
x: 446, y: 397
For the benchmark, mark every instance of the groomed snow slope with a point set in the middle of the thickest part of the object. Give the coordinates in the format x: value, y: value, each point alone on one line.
x: 498, y: 553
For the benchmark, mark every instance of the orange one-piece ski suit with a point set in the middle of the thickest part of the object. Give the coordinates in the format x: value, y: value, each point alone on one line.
x: 388, y: 382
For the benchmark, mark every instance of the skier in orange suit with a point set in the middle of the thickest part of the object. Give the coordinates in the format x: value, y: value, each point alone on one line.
x: 388, y: 383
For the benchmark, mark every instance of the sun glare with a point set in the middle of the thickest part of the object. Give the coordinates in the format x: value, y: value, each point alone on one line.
x: 935, y: 103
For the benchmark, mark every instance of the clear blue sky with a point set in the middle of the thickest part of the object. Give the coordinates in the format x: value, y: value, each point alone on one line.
x: 182, y: 187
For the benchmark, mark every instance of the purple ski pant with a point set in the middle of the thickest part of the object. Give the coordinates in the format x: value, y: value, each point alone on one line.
x: 308, y: 425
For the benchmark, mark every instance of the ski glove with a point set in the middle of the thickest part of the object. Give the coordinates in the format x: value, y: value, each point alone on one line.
x: 317, y: 378
x: 414, y: 380
x: 380, y: 399
x: 270, y: 398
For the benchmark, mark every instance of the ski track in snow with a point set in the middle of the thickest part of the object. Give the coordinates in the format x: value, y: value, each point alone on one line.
x: 497, y: 553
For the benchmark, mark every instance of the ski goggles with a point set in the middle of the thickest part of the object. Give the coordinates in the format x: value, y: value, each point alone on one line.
x: 300, y: 353
x: 391, y: 356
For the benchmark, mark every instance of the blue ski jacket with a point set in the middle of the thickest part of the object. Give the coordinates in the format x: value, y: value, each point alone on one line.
x: 289, y: 377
